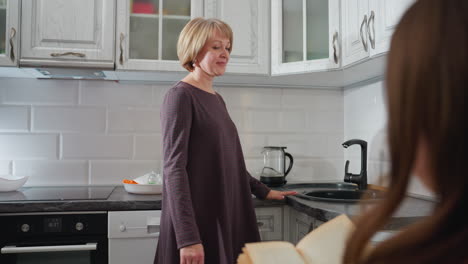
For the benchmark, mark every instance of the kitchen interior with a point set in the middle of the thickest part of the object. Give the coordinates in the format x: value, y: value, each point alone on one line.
x: 82, y: 82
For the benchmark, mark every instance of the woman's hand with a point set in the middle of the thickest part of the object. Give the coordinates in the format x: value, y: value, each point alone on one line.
x: 277, y: 195
x: 192, y: 254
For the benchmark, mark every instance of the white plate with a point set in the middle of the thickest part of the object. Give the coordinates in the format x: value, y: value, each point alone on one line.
x: 143, y: 188
x: 11, y: 183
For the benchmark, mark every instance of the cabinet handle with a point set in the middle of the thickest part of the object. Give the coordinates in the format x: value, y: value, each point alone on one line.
x: 371, y: 36
x: 76, y: 54
x: 121, y: 57
x: 12, y: 45
x: 364, y: 23
x: 335, y: 42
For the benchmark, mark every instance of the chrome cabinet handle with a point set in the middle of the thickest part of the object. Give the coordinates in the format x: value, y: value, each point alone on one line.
x: 335, y: 42
x: 76, y: 54
x: 371, y: 36
x: 364, y: 23
x: 12, y: 45
x: 121, y: 57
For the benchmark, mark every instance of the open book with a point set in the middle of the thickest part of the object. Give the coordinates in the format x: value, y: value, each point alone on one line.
x: 324, y: 245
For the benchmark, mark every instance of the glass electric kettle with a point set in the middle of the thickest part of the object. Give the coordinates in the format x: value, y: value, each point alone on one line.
x: 274, y: 163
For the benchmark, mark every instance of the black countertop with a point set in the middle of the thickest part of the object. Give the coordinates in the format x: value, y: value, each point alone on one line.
x: 119, y: 200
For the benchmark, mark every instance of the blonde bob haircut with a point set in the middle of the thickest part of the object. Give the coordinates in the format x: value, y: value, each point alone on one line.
x: 194, y: 36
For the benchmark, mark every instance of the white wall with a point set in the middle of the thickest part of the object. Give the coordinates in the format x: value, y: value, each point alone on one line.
x: 95, y: 132
x: 365, y: 117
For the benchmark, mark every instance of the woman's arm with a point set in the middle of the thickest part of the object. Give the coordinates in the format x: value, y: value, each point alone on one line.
x: 176, y: 119
x: 259, y: 189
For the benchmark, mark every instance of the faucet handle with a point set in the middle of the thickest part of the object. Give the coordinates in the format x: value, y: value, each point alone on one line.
x: 346, y: 168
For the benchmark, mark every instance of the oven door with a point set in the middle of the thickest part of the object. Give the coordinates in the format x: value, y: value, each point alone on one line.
x: 91, y: 251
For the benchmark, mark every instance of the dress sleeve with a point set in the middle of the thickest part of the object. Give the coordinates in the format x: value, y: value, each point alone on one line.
x: 259, y: 189
x: 176, y: 119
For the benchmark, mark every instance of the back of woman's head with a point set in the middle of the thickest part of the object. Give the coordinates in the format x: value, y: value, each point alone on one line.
x: 426, y: 82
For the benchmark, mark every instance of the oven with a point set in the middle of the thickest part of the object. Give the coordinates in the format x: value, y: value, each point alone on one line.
x: 50, y: 238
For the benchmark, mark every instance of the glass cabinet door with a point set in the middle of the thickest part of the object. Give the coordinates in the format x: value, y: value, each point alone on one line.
x: 293, y: 27
x: 304, y: 35
x: 9, y: 21
x: 152, y: 32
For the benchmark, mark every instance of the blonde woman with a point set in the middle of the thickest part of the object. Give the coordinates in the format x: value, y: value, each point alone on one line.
x: 207, y: 210
x: 427, y: 84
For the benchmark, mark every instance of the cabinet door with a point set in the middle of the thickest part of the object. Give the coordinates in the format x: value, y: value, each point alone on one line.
x: 300, y: 225
x: 148, y: 30
x: 355, y: 25
x: 68, y: 33
x: 133, y: 236
x: 305, y: 36
x: 384, y: 16
x: 249, y: 21
x: 9, y: 32
x: 269, y: 221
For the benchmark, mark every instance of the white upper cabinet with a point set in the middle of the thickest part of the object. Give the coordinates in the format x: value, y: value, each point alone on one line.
x: 9, y: 32
x: 368, y: 26
x: 390, y: 12
x: 249, y: 20
x: 77, y: 33
x: 148, y: 30
x: 305, y: 36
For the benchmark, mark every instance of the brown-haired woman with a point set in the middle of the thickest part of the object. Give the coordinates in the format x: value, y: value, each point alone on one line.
x: 207, y: 209
x: 427, y: 84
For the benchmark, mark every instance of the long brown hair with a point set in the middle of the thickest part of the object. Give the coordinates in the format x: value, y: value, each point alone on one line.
x: 427, y: 83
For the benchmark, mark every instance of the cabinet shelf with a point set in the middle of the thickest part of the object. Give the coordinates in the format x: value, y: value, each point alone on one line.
x: 156, y: 16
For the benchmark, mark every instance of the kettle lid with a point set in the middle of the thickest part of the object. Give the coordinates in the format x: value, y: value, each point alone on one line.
x: 274, y: 147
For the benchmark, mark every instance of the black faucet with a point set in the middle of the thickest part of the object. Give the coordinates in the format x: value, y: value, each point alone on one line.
x: 361, y: 178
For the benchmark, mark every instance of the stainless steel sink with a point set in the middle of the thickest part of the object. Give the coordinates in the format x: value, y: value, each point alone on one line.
x: 342, y: 195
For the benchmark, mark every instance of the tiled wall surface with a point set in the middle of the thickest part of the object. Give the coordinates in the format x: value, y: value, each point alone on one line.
x: 365, y: 117
x: 93, y: 132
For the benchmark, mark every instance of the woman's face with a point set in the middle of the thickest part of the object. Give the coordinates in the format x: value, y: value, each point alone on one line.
x: 214, y: 56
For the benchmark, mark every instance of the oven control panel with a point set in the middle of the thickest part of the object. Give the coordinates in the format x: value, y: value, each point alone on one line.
x: 45, y: 224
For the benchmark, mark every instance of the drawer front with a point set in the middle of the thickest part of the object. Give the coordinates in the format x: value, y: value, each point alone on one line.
x: 270, y: 223
x: 133, y: 224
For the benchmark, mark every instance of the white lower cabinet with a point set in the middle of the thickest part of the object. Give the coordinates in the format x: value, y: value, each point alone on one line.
x: 133, y: 236
x: 300, y: 224
x: 270, y: 222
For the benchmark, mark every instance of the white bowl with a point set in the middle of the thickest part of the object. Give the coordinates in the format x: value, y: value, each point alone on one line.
x: 143, y: 188
x: 11, y: 183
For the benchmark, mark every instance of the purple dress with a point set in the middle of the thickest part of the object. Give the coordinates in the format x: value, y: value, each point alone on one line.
x: 207, y: 189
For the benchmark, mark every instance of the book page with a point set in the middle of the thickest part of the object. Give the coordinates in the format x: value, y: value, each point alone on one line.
x: 326, y: 244
x: 274, y: 252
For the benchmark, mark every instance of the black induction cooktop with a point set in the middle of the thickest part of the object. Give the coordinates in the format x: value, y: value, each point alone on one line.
x: 56, y: 193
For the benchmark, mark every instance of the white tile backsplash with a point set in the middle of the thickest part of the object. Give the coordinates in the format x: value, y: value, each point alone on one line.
x: 113, y: 172
x: 148, y: 147
x: 134, y: 120
x: 28, y: 146
x: 88, y: 146
x: 14, y: 118
x: 115, y: 94
x: 69, y: 119
x: 5, y: 167
x: 102, y: 131
x: 251, y: 97
x: 39, y: 92
x: 55, y: 173
x: 262, y: 120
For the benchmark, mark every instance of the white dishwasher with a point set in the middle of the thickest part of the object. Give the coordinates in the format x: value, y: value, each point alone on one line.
x: 133, y: 236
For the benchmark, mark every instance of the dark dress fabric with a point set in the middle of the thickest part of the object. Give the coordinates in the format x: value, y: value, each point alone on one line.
x: 207, y: 189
